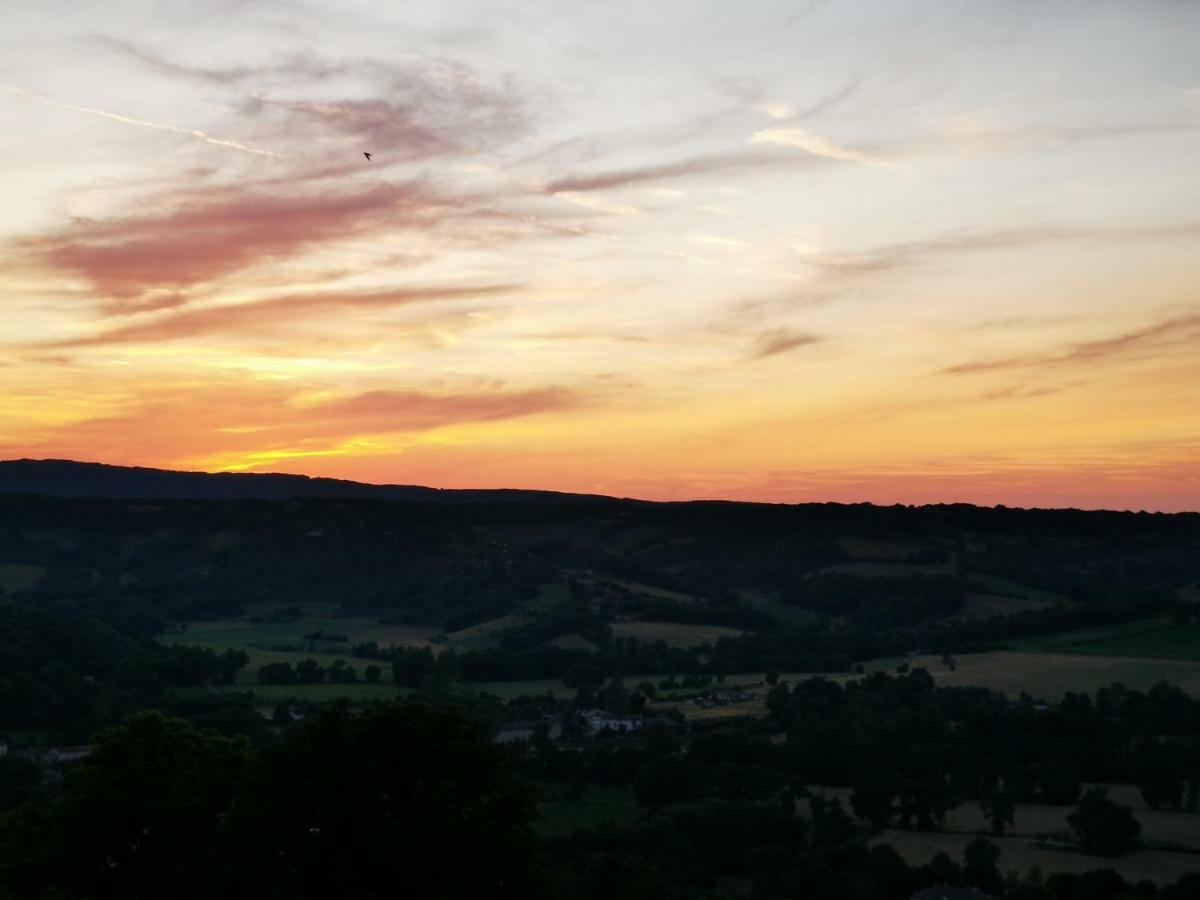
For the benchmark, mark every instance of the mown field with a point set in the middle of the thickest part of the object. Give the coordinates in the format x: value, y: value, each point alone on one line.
x: 673, y: 633
x: 1019, y: 855
x: 1019, y: 852
x: 1049, y: 675
x: 1034, y: 818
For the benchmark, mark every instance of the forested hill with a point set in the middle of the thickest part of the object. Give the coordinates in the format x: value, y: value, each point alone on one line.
x: 67, y: 478
x: 592, y: 561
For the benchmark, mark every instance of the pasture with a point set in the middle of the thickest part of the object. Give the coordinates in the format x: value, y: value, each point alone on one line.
x: 649, y: 590
x: 599, y: 804
x: 1007, y: 587
x: 267, y: 642
x: 1160, y: 637
x: 784, y: 612
x: 481, y: 635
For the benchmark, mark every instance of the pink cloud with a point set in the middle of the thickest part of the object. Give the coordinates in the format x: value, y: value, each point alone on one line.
x: 210, y: 235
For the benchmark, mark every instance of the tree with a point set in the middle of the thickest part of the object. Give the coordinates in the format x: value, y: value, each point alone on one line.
x: 772, y: 678
x: 583, y: 675
x: 372, y: 674
x: 20, y: 780
x: 348, y: 804
x: 309, y: 671
x: 979, y: 866
x: 873, y: 798
x: 135, y: 818
x: 1102, y: 826
x: 357, y: 803
x: 663, y: 781
x: 831, y: 825
x: 1059, y: 784
x: 339, y: 672
x: 614, y: 698
x: 1161, y: 778
x: 231, y: 662
x: 411, y: 665
x: 282, y: 714
x: 999, y: 809
x: 276, y: 673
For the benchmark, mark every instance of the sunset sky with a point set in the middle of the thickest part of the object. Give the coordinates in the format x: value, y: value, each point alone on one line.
x: 859, y: 251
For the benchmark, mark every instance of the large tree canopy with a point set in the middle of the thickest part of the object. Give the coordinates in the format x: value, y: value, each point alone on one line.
x: 402, y: 799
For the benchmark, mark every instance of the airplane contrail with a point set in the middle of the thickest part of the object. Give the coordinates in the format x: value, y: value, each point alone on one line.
x: 128, y: 120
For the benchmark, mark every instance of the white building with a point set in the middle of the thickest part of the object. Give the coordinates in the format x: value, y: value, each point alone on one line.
x: 597, y: 720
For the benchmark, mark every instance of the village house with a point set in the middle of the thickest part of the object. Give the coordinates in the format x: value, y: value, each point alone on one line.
x: 598, y: 720
x: 62, y: 756
x: 511, y: 732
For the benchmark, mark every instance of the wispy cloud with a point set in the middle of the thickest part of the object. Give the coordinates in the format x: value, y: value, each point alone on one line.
x: 223, y: 230
x: 1029, y: 391
x: 892, y: 256
x: 690, y: 167
x: 782, y: 340
x: 229, y: 425
x: 794, y: 136
x: 278, y: 313
x: 1176, y: 331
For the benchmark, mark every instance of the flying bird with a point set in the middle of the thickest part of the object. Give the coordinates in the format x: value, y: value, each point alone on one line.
x: 368, y: 156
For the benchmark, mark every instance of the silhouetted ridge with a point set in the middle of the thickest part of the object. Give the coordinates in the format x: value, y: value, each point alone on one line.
x: 67, y: 478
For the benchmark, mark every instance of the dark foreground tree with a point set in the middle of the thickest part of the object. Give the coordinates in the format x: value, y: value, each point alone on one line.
x: 134, y: 818
x: 402, y: 799
x: 1104, y: 827
x: 399, y: 800
x: 999, y: 809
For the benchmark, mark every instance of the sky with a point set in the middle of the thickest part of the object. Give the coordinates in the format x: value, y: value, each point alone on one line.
x: 897, y: 252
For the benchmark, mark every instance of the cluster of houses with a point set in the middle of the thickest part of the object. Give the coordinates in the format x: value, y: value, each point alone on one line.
x: 594, y: 720
x: 51, y: 760
x: 722, y: 698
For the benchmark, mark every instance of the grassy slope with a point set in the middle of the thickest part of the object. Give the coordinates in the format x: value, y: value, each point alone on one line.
x: 1159, y: 637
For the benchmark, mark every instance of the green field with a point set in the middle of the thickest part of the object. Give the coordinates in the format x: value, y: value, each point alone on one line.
x: 888, y: 569
x: 599, y: 804
x: 1049, y: 676
x: 784, y: 612
x: 986, y: 606
x: 1160, y: 637
x: 881, y: 549
x: 19, y: 576
x: 267, y: 642
x: 997, y: 584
